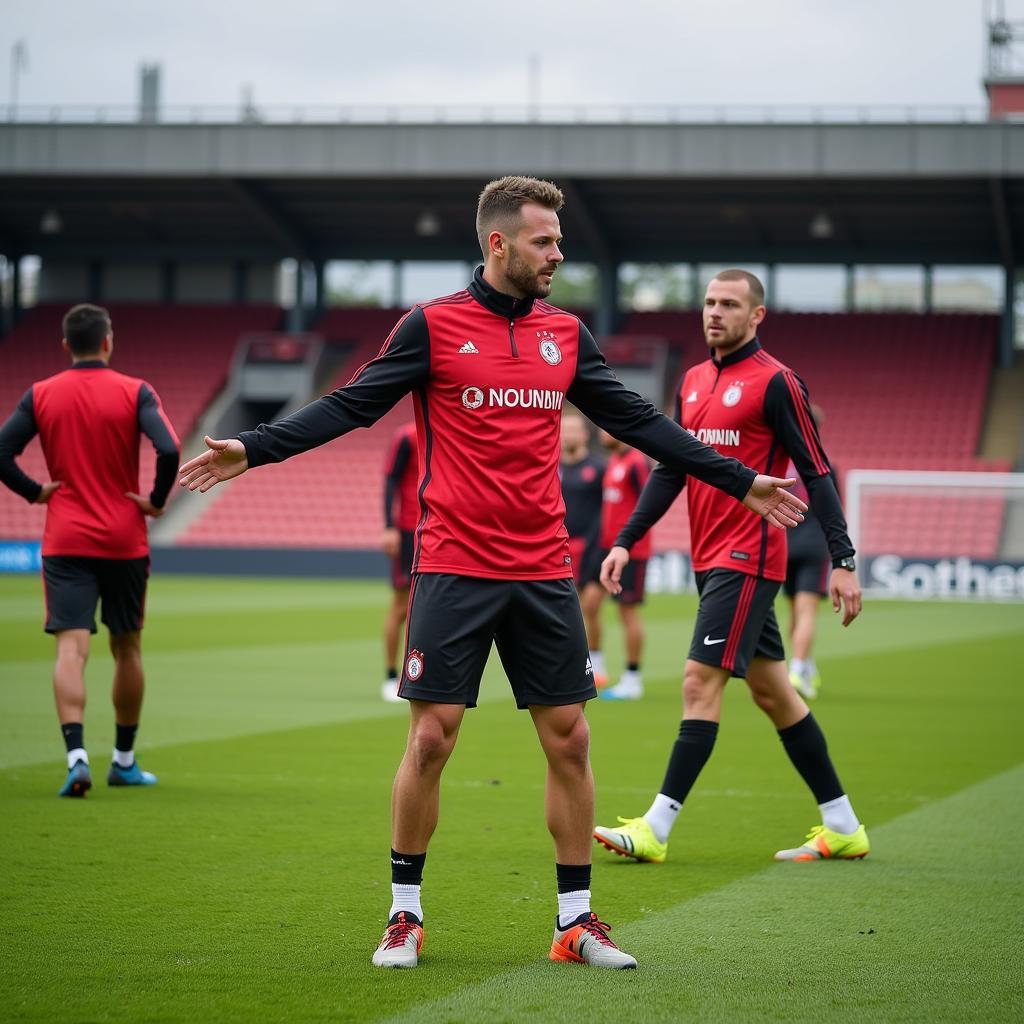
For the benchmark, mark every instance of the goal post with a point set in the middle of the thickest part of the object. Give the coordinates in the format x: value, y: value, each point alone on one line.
x: 938, y: 534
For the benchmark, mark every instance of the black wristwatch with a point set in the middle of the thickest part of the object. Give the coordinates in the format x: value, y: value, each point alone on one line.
x: 845, y: 563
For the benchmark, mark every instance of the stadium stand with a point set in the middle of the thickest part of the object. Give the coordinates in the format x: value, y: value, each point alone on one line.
x: 184, y: 351
x: 330, y: 497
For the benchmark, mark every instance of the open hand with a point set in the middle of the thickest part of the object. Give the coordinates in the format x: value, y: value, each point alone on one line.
x: 224, y: 460
x: 769, y: 498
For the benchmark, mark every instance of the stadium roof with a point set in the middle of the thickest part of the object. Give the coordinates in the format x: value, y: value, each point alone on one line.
x: 809, y: 193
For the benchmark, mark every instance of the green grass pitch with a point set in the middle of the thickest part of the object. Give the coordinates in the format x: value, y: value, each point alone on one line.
x: 252, y: 883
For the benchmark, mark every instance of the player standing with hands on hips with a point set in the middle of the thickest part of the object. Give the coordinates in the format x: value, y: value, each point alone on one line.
x: 492, y: 561
x: 743, y: 401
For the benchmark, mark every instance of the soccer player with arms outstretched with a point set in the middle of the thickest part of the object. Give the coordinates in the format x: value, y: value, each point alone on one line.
x: 492, y: 562
x: 744, y: 401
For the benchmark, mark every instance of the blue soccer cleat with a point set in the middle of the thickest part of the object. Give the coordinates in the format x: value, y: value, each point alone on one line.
x: 78, y: 782
x: 133, y: 776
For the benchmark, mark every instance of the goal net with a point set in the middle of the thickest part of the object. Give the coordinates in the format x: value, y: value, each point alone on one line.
x: 938, y: 534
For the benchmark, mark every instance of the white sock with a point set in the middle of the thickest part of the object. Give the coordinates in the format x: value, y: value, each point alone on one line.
x: 797, y: 666
x: 838, y: 815
x: 662, y: 816
x: 811, y: 668
x: 633, y: 678
x: 78, y: 754
x: 407, y: 898
x: 597, y: 663
x: 571, y: 905
x: 124, y: 758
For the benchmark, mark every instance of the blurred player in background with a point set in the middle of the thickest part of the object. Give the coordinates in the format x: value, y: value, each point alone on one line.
x: 624, y: 478
x: 95, y: 546
x: 746, y: 402
x: 490, y: 368
x: 401, y: 511
x: 582, y: 475
x: 807, y: 571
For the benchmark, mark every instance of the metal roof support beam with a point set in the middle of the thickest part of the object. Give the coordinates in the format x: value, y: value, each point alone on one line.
x: 606, y: 315
x: 1001, y: 222
x: 271, y: 218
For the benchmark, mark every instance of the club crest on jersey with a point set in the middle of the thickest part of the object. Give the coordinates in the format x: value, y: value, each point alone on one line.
x: 414, y: 665
x: 733, y: 393
x: 472, y: 398
x: 549, y: 350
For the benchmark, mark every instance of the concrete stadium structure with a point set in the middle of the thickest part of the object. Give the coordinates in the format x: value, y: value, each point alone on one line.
x: 175, y: 212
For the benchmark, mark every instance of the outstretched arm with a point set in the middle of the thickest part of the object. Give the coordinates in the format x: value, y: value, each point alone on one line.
x: 599, y: 394
x: 402, y: 364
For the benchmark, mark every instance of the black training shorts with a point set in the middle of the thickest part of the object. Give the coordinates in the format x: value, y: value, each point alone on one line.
x: 536, y: 624
x: 73, y: 585
x: 807, y: 574
x: 735, y: 621
x: 401, y: 564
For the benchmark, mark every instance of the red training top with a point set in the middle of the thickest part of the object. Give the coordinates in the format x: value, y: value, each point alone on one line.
x: 624, y: 479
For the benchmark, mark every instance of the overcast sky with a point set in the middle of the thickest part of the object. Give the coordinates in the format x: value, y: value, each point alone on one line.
x: 688, y: 52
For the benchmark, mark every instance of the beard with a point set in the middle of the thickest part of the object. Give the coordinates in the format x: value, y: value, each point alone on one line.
x: 728, y: 336
x: 519, y: 273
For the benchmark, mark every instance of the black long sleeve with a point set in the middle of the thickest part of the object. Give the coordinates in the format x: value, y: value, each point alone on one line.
x: 168, y: 453
x: 599, y: 394
x: 19, y: 429
x: 403, y: 364
x: 403, y: 452
x: 787, y: 409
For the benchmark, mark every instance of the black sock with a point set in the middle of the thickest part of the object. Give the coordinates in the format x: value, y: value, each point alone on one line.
x: 391, y: 673
x: 125, y: 738
x: 407, y: 868
x: 74, y: 735
x: 807, y: 749
x: 689, y: 755
x: 572, y: 877
x: 633, y: 666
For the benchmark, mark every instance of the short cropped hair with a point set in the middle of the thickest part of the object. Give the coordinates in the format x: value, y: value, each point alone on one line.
x: 754, y: 283
x: 503, y: 198
x: 85, y: 327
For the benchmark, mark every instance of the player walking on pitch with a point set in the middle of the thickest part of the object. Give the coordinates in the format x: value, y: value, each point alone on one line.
x: 95, y: 546
x: 745, y: 401
x: 490, y: 368
x: 398, y: 543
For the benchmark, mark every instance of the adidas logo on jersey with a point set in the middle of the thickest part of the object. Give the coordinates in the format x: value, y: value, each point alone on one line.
x: 469, y: 349
x: 692, y: 397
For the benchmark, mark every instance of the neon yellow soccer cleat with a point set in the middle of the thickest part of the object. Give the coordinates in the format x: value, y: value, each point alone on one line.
x: 633, y: 838
x: 823, y: 843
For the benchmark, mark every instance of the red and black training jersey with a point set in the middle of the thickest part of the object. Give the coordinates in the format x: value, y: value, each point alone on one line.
x: 624, y: 479
x: 489, y: 375
x: 582, y: 484
x: 89, y: 419
x: 401, y: 506
x: 753, y: 407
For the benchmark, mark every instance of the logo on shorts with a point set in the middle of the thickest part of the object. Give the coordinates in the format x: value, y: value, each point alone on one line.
x: 733, y: 393
x: 590, y: 669
x: 472, y: 398
x: 549, y: 351
x: 708, y: 642
x: 414, y: 665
